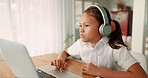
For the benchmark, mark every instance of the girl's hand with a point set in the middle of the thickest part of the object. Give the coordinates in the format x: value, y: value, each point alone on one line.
x: 59, y: 64
x: 90, y: 69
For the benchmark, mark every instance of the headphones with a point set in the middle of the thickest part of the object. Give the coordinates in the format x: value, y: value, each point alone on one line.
x: 105, y: 28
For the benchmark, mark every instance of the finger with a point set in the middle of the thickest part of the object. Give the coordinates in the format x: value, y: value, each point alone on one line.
x: 84, y: 66
x: 64, y: 66
x: 51, y: 63
x: 60, y: 63
x: 83, y: 71
x: 55, y: 61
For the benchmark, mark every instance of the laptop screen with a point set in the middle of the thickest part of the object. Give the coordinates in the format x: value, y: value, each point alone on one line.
x: 16, y: 55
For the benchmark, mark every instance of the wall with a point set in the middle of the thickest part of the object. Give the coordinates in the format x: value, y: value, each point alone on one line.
x: 111, y: 4
x: 138, y: 25
x: 146, y: 30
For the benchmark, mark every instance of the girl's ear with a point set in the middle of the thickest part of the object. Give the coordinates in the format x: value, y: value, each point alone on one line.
x: 113, y: 26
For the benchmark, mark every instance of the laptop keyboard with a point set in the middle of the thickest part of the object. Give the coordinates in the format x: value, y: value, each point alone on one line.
x: 42, y: 74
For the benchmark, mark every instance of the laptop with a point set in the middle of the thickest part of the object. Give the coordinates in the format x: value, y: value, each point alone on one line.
x: 17, y: 57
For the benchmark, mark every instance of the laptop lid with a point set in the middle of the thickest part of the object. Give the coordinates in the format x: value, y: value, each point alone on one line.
x: 21, y: 64
x: 16, y: 55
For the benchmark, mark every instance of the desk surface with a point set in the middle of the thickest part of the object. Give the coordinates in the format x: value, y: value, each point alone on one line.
x: 73, y: 66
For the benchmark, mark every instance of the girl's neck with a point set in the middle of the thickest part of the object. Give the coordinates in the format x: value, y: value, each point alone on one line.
x: 94, y: 42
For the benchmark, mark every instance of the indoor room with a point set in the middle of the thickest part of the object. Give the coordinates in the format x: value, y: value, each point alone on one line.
x: 50, y: 26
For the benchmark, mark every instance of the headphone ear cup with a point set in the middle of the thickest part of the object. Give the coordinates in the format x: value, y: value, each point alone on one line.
x: 105, y: 30
x: 101, y: 29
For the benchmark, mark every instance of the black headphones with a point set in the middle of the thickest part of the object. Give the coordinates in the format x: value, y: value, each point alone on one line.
x: 105, y: 28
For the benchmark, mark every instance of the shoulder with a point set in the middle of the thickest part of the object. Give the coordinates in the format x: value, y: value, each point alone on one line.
x: 79, y: 41
x: 123, y: 51
x: 123, y: 57
x: 77, y: 45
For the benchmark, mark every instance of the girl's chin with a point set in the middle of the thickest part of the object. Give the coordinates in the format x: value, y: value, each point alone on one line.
x: 84, y: 40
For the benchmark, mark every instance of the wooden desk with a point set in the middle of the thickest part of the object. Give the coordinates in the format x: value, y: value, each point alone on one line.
x: 73, y: 66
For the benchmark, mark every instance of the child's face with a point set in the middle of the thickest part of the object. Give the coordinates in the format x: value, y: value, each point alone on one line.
x: 89, y: 28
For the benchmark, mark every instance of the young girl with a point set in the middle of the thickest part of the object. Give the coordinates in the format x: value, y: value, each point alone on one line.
x: 101, y: 48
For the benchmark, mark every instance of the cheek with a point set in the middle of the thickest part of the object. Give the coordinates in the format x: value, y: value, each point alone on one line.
x: 92, y: 32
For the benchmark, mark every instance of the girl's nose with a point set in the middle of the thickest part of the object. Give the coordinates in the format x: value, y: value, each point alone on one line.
x: 81, y: 29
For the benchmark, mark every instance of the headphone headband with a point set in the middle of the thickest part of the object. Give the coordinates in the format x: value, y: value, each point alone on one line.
x: 105, y: 28
x: 103, y: 12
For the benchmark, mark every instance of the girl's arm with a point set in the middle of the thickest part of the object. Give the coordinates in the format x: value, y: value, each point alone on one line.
x: 60, y: 61
x: 63, y: 55
x: 135, y: 71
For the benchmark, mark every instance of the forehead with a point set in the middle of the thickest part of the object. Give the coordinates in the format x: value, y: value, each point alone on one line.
x: 86, y: 17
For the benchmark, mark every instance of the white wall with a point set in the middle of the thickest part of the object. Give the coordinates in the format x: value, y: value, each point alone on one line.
x: 138, y: 26
x: 111, y: 4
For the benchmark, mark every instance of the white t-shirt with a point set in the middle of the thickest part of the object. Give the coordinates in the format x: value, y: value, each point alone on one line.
x: 102, y: 54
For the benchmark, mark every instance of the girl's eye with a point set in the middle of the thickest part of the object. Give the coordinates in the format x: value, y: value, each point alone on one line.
x: 86, y: 25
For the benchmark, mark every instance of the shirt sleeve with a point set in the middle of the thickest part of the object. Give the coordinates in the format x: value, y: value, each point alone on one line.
x: 74, y: 50
x: 123, y: 58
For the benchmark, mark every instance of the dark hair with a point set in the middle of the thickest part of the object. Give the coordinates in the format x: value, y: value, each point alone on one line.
x: 115, y: 38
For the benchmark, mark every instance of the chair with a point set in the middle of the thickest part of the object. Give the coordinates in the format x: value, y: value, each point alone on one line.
x: 142, y: 59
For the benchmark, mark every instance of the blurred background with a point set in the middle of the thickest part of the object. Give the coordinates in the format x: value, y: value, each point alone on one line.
x: 49, y: 26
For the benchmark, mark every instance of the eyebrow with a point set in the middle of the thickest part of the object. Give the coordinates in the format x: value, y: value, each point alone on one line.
x: 84, y: 22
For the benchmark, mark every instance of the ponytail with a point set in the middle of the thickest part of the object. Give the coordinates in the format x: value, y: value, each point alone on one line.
x: 115, y: 38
